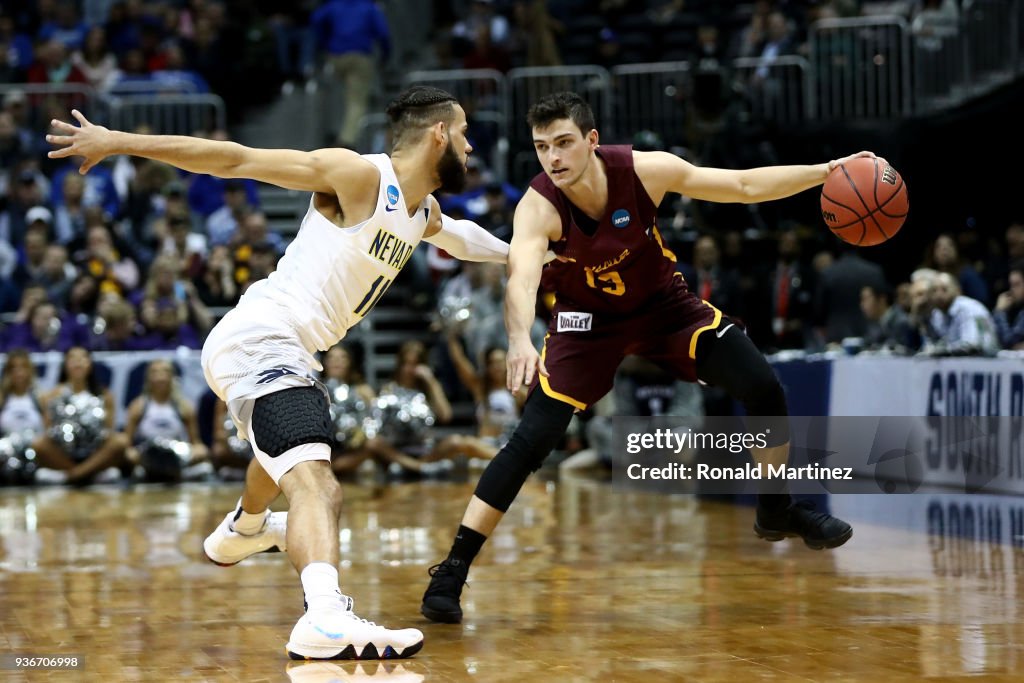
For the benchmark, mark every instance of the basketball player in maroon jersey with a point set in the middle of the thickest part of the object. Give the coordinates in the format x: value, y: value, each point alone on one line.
x: 617, y: 292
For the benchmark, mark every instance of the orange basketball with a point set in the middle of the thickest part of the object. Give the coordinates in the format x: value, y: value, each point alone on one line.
x: 864, y: 202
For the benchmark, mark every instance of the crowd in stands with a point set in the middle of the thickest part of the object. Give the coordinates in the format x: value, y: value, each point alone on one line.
x: 138, y: 256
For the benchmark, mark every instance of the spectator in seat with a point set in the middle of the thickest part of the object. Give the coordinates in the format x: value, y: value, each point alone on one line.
x: 1009, y: 312
x: 18, y: 47
x: 56, y: 273
x: 33, y: 250
x: 95, y: 59
x: 713, y: 283
x: 115, y: 273
x: 66, y: 27
x: 53, y: 66
x: 24, y: 193
x: 944, y: 256
x: 216, y: 286
x: 166, y: 284
x: 95, y: 189
x: 44, y: 330
x: 888, y: 325
x: 253, y: 230
x: 169, y: 328
x: 223, y: 223
x: 792, y: 295
x: 117, y: 327
x: 959, y: 325
x: 11, y: 145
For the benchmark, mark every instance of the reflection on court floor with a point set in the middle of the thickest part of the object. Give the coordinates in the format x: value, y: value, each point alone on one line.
x: 579, y: 583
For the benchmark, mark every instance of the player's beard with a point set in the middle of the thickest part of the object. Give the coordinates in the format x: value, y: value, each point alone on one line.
x: 451, y: 171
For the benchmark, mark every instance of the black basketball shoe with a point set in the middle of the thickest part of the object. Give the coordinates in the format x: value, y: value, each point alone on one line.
x: 818, y: 529
x: 441, y: 599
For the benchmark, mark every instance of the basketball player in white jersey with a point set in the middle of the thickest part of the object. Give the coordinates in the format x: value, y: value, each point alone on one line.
x: 366, y: 216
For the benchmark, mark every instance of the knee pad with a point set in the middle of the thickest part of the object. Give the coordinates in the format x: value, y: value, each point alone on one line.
x: 543, y: 424
x: 291, y: 417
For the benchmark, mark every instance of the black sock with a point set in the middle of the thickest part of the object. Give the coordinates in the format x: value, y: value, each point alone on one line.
x: 773, y: 502
x: 467, y: 544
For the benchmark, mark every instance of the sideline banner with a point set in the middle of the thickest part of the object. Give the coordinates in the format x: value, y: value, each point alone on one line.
x: 882, y: 386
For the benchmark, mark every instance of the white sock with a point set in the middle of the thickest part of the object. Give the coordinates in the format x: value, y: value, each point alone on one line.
x: 245, y: 523
x: 320, y: 584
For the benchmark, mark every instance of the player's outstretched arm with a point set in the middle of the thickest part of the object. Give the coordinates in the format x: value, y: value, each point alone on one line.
x: 535, y: 224
x: 463, y: 239
x: 309, y: 171
x: 662, y: 173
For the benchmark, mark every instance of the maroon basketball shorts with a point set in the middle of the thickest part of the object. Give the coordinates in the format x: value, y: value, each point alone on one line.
x: 582, y: 350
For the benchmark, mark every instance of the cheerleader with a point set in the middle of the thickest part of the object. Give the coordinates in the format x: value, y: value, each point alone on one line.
x: 407, y: 405
x: 21, y: 418
x: 497, y: 409
x: 351, y: 399
x: 163, y: 429
x: 230, y: 453
x: 80, y: 441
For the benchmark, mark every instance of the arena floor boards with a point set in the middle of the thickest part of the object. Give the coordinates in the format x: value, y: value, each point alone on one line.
x: 581, y: 582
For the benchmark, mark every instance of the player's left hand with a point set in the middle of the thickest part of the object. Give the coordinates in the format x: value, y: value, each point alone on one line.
x: 522, y: 363
x: 836, y: 163
x: 88, y: 140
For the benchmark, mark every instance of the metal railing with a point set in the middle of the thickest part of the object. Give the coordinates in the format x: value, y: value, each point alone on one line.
x: 652, y: 97
x: 164, y: 113
x: 940, y: 72
x: 878, y: 67
x: 775, y: 88
x: 860, y: 68
x: 528, y: 84
x: 44, y: 102
x: 168, y: 114
x: 991, y: 42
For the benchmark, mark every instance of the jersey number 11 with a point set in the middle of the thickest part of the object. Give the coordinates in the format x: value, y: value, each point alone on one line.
x: 373, y: 296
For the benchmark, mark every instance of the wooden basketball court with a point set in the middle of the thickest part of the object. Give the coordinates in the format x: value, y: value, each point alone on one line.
x: 580, y: 583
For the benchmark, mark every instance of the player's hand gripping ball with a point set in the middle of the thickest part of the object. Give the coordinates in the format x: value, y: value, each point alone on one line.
x: 864, y: 201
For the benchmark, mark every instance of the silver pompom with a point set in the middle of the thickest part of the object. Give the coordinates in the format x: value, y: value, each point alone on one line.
x: 348, y: 413
x: 454, y: 309
x: 79, y: 423
x: 403, y: 416
x: 236, y: 445
x: 17, y: 458
x: 164, y: 458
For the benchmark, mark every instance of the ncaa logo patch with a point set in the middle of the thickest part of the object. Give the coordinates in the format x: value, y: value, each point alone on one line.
x: 392, y: 194
x: 575, y: 322
x: 621, y: 218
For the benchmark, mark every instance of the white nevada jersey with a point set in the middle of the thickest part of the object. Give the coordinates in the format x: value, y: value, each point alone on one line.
x: 330, y: 277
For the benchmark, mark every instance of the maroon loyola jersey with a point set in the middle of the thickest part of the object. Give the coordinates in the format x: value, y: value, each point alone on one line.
x: 620, y: 266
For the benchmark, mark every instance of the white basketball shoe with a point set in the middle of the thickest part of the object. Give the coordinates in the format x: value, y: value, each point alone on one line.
x: 226, y: 547
x: 335, y: 632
